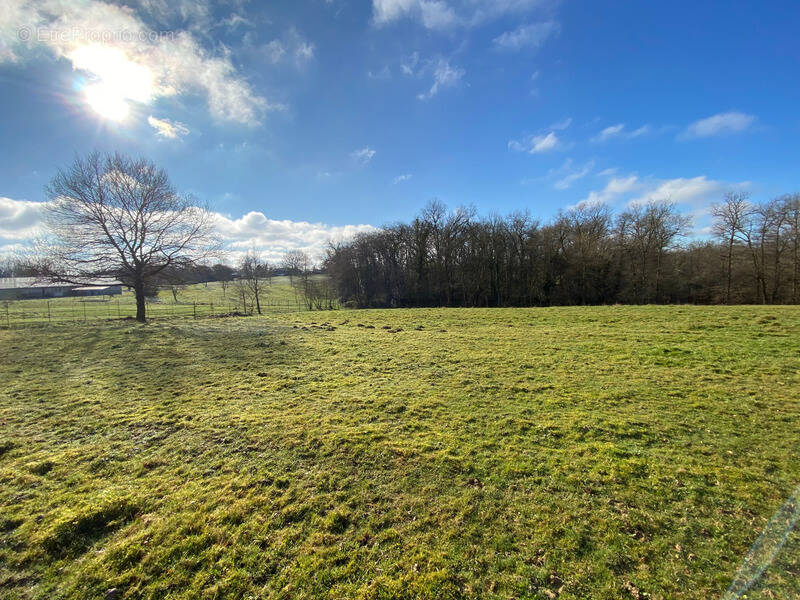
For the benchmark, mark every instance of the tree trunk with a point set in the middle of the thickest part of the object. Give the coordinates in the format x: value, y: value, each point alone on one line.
x: 730, y: 271
x: 141, y: 309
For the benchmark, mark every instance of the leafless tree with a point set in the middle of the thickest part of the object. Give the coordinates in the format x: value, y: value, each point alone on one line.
x: 114, y: 216
x: 729, y: 222
x: 254, y: 278
x: 176, y: 288
x: 791, y: 208
x: 647, y: 232
x: 223, y: 274
x: 762, y: 233
x: 294, y: 262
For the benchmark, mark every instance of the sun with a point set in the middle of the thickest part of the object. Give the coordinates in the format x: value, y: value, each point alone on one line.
x: 106, y: 102
x: 116, y: 80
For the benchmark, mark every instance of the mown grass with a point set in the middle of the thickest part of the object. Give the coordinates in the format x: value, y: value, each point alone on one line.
x: 605, y: 452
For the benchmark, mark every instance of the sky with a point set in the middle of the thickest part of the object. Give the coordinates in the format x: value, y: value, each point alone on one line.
x: 306, y: 121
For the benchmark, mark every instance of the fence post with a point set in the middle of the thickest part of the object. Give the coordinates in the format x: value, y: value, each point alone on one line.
x: 118, y: 314
x: 8, y: 316
x: 212, y: 309
x: 48, y: 311
x: 84, y: 312
x: 195, y: 309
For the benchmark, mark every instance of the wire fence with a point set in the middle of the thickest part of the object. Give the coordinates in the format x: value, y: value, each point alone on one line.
x: 28, y: 313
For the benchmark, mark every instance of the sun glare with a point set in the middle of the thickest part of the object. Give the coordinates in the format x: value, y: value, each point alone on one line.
x: 118, y: 80
x: 104, y: 100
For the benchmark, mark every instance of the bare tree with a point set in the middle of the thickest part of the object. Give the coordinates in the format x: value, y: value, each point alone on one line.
x: 316, y: 292
x: 223, y: 274
x: 114, y: 216
x: 647, y: 232
x: 176, y: 288
x: 254, y: 278
x: 294, y: 261
x: 763, y: 233
x: 791, y: 207
x: 729, y: 220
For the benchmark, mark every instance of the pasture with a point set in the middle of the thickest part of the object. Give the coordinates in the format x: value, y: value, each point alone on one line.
x: 193, y: 301
x: 607, y: 452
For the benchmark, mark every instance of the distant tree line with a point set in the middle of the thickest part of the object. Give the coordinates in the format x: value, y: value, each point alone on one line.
x: 586, y: 255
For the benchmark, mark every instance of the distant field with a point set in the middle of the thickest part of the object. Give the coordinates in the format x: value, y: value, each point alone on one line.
x: 609, y: 452
x: 196, y: 300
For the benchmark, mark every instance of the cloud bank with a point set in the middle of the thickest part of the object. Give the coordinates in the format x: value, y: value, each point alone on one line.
x: 21, y: 221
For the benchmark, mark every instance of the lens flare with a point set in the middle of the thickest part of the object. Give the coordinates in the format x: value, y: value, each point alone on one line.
x: 106, y: 102
x: 117, y: 80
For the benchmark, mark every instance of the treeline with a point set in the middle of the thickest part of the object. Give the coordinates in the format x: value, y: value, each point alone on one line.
x: 586, y: 255
x: 182, y: 274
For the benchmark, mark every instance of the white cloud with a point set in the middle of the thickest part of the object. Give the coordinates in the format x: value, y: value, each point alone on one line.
x: 169, y: 64
x: 409, y: 65
x: 235, y: 21
x: 20, y: 219
x: 564, y: 176
x: 614, y: 189
x: 562, y: 124
x: 536, y: 144
x: 720, y: 124
x: 167, y: 129
x: 693, y: 195
x: 444, y: 14
x: 436, y: 14
x: 609, y: 132
x: 383, y: 73
x: 194, y: 14
x: 643, y: 130
x: 527, y: 36
x: 363, y: 155
x: 572, y: 176
x: 402, y: 178
x: 272, y: 238
x: 682, y: 190
x: 291, y: 47
x: 304, y: 51
x: 11, y: 250
x: 274, y: 51
x: 444, y: 76
x: 433, y: 14
x: 543, y: 143
x: 619, y: 131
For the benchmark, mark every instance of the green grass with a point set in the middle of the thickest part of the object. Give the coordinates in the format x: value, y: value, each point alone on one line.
x: 196, y: 300
x: 610, y: 452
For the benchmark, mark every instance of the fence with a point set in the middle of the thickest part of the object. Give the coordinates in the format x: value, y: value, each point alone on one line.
x: 23, y: 313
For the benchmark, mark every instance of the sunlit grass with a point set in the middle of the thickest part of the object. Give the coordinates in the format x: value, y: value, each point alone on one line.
x: 605, y: 452
x: 192, y: 301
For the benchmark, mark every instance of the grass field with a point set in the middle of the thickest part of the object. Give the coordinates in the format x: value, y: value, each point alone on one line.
x: 192, y: 301
x: 609, y: 452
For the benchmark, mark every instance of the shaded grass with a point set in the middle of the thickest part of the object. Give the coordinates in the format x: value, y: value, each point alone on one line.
x: 575, y: 452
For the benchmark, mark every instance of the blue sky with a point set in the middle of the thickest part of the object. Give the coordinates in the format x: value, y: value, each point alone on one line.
x: 300, y: 121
